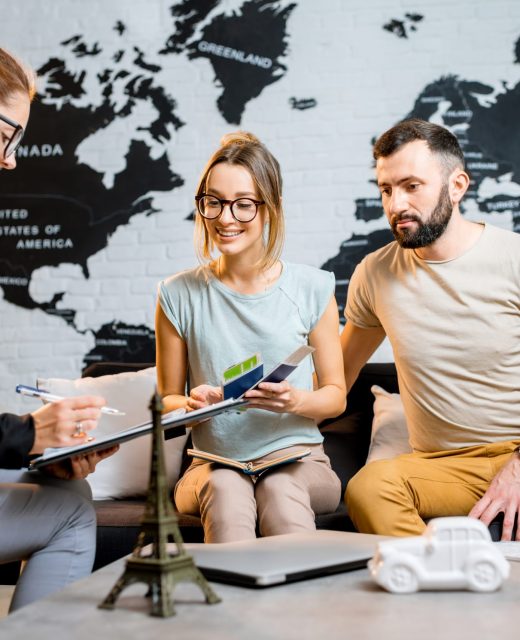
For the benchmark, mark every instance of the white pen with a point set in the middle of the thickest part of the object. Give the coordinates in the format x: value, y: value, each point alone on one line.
x: 51, y: 397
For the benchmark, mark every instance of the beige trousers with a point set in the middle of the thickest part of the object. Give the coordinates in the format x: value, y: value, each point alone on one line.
x: 394, y: 497
x: 283, y: 500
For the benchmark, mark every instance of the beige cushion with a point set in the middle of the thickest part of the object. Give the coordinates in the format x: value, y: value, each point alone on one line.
x: 126, y: 473
x: 389, y: 430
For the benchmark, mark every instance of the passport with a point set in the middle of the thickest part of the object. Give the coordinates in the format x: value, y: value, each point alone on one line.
x: 248, y: 374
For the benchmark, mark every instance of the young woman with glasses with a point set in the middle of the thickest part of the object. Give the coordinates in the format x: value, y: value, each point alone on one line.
x: 243, y: 300
x: 47, y: 521
x: 16, y: 92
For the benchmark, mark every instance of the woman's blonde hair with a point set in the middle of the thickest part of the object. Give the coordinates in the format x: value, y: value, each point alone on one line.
x: 15, y: 78
x: 245, y: 150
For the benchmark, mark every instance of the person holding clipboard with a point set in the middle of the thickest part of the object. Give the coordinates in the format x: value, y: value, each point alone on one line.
x: 47, y: 520
x: 241, y: 301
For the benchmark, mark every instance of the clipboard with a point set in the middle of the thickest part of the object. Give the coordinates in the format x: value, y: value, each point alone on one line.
x: 173, y: 423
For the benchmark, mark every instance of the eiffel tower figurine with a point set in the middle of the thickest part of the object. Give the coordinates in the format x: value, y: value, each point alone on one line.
x: 160, y: 570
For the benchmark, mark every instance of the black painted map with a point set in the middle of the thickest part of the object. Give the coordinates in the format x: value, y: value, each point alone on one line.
x: 488, y: 130
x: 54, y: 209
x: 245, y: 49
x: 402, y: 27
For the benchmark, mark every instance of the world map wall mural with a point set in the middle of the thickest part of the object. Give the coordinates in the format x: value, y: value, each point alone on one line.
x: 489, y: 134
x: 85, y: 212
x: 127, y: 115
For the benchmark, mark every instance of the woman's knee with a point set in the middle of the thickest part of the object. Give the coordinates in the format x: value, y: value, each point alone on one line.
x: 79, y: 487
x: 278, y: 488
x: 226, y: 482
x: 227, y: 507
x: 80, y: 510
x: 283, y: 506
x: 228, y: 491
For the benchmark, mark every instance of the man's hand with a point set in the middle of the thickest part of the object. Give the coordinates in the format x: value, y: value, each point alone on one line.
x: 79, y: 467
x: 502, y: 496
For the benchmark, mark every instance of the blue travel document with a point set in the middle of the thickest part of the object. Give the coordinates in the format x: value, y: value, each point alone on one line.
x: 236, y: 387
x: 253, y: 375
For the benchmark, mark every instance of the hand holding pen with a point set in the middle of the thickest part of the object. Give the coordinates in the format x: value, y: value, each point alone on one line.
x: 34, y: 392
x: 63, y: 421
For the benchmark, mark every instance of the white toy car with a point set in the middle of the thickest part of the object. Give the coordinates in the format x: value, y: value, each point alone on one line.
x: 453, y: 553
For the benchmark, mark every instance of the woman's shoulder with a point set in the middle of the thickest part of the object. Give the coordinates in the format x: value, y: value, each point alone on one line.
x: 305, y: 275
x: 310, y: 289
x: 189, y: 278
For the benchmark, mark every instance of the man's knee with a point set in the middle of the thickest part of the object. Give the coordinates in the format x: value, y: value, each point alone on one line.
x: 380, y: 500
x: 368, y: 481
x: 369, y: 490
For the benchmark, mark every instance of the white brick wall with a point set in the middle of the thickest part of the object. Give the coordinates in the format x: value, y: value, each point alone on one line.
x: 363, y: 78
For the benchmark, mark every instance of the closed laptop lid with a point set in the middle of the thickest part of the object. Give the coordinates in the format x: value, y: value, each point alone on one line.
x: 284, y: 558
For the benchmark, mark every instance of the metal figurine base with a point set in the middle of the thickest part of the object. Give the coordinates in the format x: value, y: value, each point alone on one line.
x: 159, y: 570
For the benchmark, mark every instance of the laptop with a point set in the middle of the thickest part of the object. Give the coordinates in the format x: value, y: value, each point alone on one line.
x: 275, y: 560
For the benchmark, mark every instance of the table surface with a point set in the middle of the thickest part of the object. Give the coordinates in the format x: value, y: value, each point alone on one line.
x: 340, y: 606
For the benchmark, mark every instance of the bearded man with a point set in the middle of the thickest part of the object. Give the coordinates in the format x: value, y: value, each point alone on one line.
x: 447, y: 295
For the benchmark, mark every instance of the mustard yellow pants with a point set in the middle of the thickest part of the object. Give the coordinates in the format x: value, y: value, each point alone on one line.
x: 394, y: 497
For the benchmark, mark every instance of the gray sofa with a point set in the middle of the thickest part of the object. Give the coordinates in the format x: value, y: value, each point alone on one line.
x: 347, y: 438
x: 346, y: 441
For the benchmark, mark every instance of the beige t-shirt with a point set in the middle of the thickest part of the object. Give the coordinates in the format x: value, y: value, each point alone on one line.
x: 455, y: 330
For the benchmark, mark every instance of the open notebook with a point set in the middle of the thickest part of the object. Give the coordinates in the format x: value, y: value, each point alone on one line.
x: 250, y: 468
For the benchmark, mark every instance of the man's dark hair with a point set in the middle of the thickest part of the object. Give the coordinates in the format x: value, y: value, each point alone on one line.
x: 440, y: 141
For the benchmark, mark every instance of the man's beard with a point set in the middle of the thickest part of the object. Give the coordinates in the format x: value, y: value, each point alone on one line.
x: 429, y: 231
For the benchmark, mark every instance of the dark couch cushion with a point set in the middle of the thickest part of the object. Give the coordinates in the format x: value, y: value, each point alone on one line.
x: 97, y: 369
x: 495, y: 528
x: 347, y: 437
x: 119, y: 524
x: 346, y: 442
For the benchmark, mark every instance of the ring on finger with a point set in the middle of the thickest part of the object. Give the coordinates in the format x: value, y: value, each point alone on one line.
x: 78, y: 432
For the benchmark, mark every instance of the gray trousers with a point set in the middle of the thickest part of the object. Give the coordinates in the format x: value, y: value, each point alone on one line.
x: 284, y: 500
x: 51, y: 524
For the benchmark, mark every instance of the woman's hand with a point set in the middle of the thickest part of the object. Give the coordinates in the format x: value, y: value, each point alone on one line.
x: 56, y: 424
x: 202, y: 396
x: 79, y: 467
x: 280, y: 397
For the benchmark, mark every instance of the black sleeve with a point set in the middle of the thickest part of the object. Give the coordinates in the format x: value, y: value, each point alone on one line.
x: 16, y: 440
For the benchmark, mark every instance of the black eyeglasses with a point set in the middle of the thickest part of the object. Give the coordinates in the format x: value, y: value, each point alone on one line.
x: 242, y: 209
x: 14, y: 141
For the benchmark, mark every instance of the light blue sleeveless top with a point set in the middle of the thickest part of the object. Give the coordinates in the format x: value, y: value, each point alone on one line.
x: 222, y: 327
